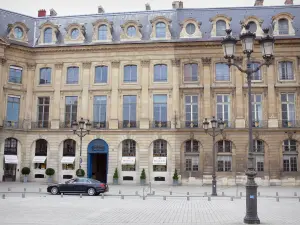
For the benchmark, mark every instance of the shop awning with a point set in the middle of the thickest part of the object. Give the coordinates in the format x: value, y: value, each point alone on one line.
x: 128, y: 160
x: 39, y: 159
x: 159, y: 160
x: 11, y: 159
x: 67, y: 160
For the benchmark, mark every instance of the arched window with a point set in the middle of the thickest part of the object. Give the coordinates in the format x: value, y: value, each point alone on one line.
x: 128, y: 155
x: 39, y: 160
x: 290, y: 155
x: 252, y: 26
x: 160, y: 155
x: 11, y: 146
x: 283, y: 26
x: 69, y: 150
x: 220, y: 28
x: 48, y: 35
x: 191, y: 151
x: 102, y: 32
x: 224, y: 157
x: 160, y: 30
x: 45, y: 75
x: 259, y: 155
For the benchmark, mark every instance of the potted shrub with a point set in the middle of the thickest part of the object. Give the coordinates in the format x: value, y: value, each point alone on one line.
x: 80, y: 173
x: 143, y: 177
x: 175, y: 178
x: 116, y: 177
x: 50, y: 172
x: 25, y: 171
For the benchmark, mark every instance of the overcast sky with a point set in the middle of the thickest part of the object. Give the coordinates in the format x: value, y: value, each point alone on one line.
x: 75, y: 7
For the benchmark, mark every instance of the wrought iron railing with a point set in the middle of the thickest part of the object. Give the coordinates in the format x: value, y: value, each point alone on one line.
x: 65, y: 125
x: 258, y: 124
x: 100, y: 125
x: 129, y: 124
x: 40, y: 125
x: 160, y: 124
x: 191, y: 124
x: 288, y: 123
x: 12, y: 124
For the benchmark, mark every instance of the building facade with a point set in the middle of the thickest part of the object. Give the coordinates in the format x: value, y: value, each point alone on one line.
x: 146, y: 81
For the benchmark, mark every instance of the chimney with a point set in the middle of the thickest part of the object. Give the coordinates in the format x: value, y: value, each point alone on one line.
x: 42, y: 13
x: 53, y: 12
x: 177, y: 5
x: 100, y: 9
x: 289, y: 2
x: 148, y: 7
x: 259, y: 3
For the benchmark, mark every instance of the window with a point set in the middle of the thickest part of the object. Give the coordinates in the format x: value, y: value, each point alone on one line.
x: 69, y: 150
x: 259, y: 159
x: 257, y: 75
x: 252, y: 27
x: 191, y: 111
x: 129, y: 111
x: 13, y: 109
x: 131, y: 31
x: 224, y: 146
x: 18, y: 32
x: 290, y: 163
x: 288, y: 110
x: 191, y: 146
x: 71, y: 110
x: 221, y: 27
x: 160, y: 73
x: 128, y: 149
x: 100, y: 103
x: 10, y: 146
x: 45, y: 75
x: 190, y: 72
x: 43, y: 112
x: 41, y: 146
x: 72, y: 75
x: 258, y: 146
x: 286, y: 71
x: 283, y: 26
x: 190, y: 28
x: 224, y: 163
x: 160, y: 29
x: 102, y: 32
x: 48, y: 35
x: 15, y: 74
x: 256, y: 100
x: 130, y: 73
x: 289, y: 145
x: 191, y: 163
x: 74, y: 33
x: 160, y: 110
x: 160, y: 150
x: 223, y: 108
x: 222, y: 72
x: 101, y: 74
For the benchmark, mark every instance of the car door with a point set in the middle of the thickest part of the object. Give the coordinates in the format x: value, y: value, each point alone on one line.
x: 83, y: 185
x: 69, y: 186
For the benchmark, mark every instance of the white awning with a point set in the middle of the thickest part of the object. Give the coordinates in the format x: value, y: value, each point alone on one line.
x: 128, y: 160
x: 39, y: 159
x: 159, y: 160
x: 67, y: 160
x: 11, y: 159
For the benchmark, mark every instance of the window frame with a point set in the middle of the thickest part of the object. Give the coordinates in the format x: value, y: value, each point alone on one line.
x: 129, y: 150
x: 163, y: 68
x: 11, y: 146
x: 191, y: 105
x: 160, y: 105
x: 222, y: 162
x: 74, y: 99
x: 45, y: 75
x: 99, y: 106
x: 281, y: 30
x: 131, y: 75
x: 13, y: 76
x: 223, y: 32
x: 68, y: 75
x: 47, y: 38
x: 223, y: 104
x: 283, y: 65
x: 217, y: 77
x: 160, y: 31
x: 13, y: 103
x: 288, y: 111
x: 102, y: 75
x: 188, y: 70
x: 44, y: 123
x: 132, y: 106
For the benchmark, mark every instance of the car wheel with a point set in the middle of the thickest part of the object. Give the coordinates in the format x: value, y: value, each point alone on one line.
x: 54, y: 190
x: 91, y: 191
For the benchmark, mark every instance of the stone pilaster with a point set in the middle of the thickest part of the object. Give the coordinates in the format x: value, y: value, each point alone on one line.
x: 206, y: 62
x: 85, y: 91
x: 56, y: 103
x: 29, y: 92
x: 144, y: 122
x: 240, y: 117
x: 175, y: 95
x: 272, y: 101
x: 2, y: 66
x: 113, y: 123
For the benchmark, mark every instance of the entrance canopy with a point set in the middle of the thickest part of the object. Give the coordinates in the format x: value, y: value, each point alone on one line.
x: 128, y: 160
x: 159, y: 160
x: 39, y: 159
x: 67, y: 160
x: 11, y: 159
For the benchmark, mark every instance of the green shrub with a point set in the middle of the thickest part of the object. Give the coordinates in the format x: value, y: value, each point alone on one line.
x: 80, y: 173
x: 25, y: 171
x: 50, y: 171
x: 116, y: 174
x: 175, y: 176
x: 143, y: 175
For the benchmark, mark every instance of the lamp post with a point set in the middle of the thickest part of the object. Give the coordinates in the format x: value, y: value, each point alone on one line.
x: 81, y: 133
x: 267, y: 50
x: 214, y: 125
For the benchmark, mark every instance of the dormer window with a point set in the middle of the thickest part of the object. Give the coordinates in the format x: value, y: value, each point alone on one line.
x: 131, y: 31
x: 18, y: 32
x: 160, y: 30
x: 220, y: 23
x: 283, y: 26
x: 74, y: 33
x: 286, y: 70
x: 102, y: 32
x: 221, y: 27
x: 190, y: 28
x: 252, y: 26
x: 48, y: 35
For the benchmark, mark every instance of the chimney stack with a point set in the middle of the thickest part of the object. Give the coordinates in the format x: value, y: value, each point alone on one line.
x: 289, y: 2
x: 259, y: 3
x: 53, y: 12
x: 100, y: 9
x: 42, y: 13
x: 148, y: 7
x: 177, y: 5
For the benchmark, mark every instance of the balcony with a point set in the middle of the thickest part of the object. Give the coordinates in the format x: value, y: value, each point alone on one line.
x: 228, y: 124
x: 65, y: 125
x: 100, y: 125
x: 258, y: 124
x: 160, y: 124
x: 12, y: 124
x: 289, y: 123
x: 128, y: 124
x: 190, y: 124
x: 40, y: 125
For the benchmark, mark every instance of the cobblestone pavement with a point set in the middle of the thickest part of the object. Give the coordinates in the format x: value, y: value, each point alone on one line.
x: 71, y: 209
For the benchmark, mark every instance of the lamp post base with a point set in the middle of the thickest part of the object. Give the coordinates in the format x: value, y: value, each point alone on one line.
x: 251, y: 199
x: 214, y: 186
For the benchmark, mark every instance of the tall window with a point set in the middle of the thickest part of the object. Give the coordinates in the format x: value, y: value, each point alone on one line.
x: 283, y: 26
x: 257, y: 75
x: 100, y: 103
x: 224, y: 146
x: 102, y: 32
x: 130, y: 73
x: 224, y: 163
x: 256, y: 100
x: 72, y: 75
x: 69, y: 150
x: 15, y: 74
x: 221, y: 27
x: 252, y: 26
x: 101, y: 74
x: 224, y: 156
x: 258, y: 146
x: 160, y: 110
x: 258, y: 154
x: 290, y: 155
x: 191, y: 152
x: 12, y: 111
x: 223, y: 108
x: 160, y: 150
x: 288, y: 110
x: 129, y: 111
x: 286, y: 70
x: 71, y: 110
x: 289, y: 145
x: 45, y: 76
x: 43, y: 112
x: 190, y: 72
x: 160, y: 30
x: 160, y: 73
x: 41, y: 146
x: 191, y: 111
x: 128, y: 150
x: 11, y: 146
x: 222, y: 72
x: 48, y: 35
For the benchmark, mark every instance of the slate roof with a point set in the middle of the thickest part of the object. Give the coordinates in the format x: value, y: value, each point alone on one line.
x: 177, y: 16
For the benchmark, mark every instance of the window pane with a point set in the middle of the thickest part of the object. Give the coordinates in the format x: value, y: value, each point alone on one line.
x: 221, y: 27
x: 48, y: 35
x: 222, y: 72
x: 102, y: 32
x: 72, y: 75
x: 101, y: 74
x: 160, y: 29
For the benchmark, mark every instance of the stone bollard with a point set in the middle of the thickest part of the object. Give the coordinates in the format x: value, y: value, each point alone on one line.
x: 170, y: 192
x: 40, y: 189
x: 223, y: 194
x: 23, y: 195
x: 120, y: 192
x: 188, y: 193
x: 144, y: 197
x: 9, y: 189
x: 153, y: 192
x: 277, y: 199
x: 295, y: 193
x: 80, y: 195
x: 205, y: 193
x: 276, y: 193
x: 164, y: 198
x: 188, y: 198
x: 3, y: 196
x: 299, y: 199
x: 209, y: 198
x: 102, y: 196
x: 24, y: 189
x: 122, y: 196
x: 258, y: 193
x: 136, y: 193
x: 241, y: 194
x: 62, y: 195
x: 231, y: 198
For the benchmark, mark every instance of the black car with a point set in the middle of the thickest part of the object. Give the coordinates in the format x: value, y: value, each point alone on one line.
x: 79, y: 185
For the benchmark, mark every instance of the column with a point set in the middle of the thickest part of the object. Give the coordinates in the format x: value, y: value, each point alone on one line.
x: 207, y: 100
x: 239, y: 103
x: 272, y: 115
x: 2, y: 66
x: 29, y: 95
x: 144, y: 105
x: 56, y: 101
x: 113, y: 123
x: 85, y: 91
x: 175, y: 95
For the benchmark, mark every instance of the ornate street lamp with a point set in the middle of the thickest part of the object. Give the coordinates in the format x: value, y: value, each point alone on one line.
x: 214, y: 125
x: 81, y: 133
x: 267, y: 50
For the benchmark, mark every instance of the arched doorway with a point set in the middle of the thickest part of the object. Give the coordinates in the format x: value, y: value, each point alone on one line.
x: 97, y: 165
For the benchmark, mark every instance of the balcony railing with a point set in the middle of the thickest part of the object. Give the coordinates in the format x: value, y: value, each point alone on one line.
x: 40, y: 125
x: 258, y: 124
x: 228, y: 124
x: 100, y: 125
x: 288, y: 123
x: 65, y: 125
x: 12, y: 124
x: 191, y: 124
x: 129, y: 124
x: 160, y: 124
